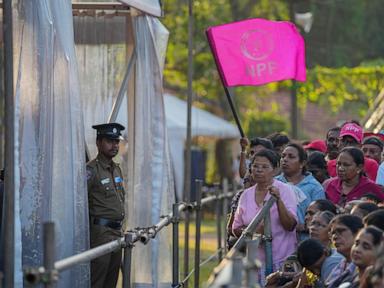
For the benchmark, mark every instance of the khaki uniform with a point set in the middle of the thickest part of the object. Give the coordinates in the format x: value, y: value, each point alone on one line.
x: 106, y: 212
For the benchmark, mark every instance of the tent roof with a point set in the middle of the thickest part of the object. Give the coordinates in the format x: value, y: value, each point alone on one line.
x: 203, y: 123
x: 151, y: 7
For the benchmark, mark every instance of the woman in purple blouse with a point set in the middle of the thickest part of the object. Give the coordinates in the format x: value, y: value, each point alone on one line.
x: 283, y: 212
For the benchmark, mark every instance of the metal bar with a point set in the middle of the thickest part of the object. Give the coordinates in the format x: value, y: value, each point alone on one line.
x: 225, y: 211
x: 251, y: 271
x: 175, y: 246
x: 199, y: 185
x: 268, y: 244
x: 219, y: 224
x: 99, y: 6
x: 86, y: 256
x: 187, y: 172
x: 294, y: 110
x: 49, y: 253
x: 183, y: 207
x: 90, y: 254
x: 127, y: 260
x: 9, y: 185
x: 186, y: 245
x: 237, y: 269
x: 123, y: 88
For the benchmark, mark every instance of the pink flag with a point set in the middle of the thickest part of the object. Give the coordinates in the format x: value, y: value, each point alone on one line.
x: 257, y: 51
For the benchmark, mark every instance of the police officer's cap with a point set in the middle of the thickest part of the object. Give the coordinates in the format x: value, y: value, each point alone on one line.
x: 109, y: 130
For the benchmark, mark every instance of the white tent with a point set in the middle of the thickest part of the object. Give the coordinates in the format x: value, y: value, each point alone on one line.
x: 203, y: 124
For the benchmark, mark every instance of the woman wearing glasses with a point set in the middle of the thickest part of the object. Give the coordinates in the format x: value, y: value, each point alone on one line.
x: 350, y: 183
x: 283, y: 212
x: 344, y: 229
x: 319, y: 230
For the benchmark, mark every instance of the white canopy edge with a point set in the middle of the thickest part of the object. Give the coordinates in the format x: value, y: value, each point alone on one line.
x: 151, y: 7
x: 204, y: 123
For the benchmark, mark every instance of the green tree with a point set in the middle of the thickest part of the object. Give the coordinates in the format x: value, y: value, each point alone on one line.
x: 206, y: 85
x: 262, y: 124
x: 345, y: 33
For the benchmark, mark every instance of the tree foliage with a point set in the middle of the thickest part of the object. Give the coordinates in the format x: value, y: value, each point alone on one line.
x: 206, y: 84
x: 345, y: 33
x: 354, y: 88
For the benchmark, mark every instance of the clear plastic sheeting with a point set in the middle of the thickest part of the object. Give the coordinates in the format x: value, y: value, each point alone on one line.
x: 102, y: 60
x: 51, y: 164
x: 151, y: 189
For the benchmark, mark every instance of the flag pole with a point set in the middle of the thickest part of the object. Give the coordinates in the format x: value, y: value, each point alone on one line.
x: 227, y: 93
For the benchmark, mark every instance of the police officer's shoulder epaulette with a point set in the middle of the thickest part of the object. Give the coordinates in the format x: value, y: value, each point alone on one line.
x: 91, y: 165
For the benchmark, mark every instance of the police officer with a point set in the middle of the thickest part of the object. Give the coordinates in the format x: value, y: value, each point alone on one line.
x: 106, y: 203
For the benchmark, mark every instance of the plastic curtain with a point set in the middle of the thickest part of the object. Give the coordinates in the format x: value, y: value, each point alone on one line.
x: 151, y: 190
x: 102, y: 61
x: 51, y: 163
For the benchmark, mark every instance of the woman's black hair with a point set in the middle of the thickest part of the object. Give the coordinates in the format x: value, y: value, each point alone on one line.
x: 375, y: 218
x: 301, y: 152
x: 270, y: 155
x: 278, y: 139
x: 317, y: 159
x: 377, y: 234
x: 325, y: 205
x: 367, y: 207
x: 327, y: 216
x: 337, y: 129
x: 372, y: 197
x: 353, y: 223
x: 356, y: 154
x: 266, y: 143
x: 309, y: 252
x: 374, y: 141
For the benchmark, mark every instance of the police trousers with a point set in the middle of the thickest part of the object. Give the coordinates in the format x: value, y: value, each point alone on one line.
x: 105, y: 269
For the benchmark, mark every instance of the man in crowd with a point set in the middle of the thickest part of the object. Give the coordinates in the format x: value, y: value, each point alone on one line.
x: 279, y: 142
x: 373, y: 148
x: 332, y: 142
x: 106, y: 203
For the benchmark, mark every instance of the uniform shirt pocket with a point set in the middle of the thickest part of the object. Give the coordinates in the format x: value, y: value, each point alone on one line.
x: 109, y: 190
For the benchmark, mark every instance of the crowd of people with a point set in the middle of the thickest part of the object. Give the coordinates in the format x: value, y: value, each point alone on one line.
x: 326, y: 226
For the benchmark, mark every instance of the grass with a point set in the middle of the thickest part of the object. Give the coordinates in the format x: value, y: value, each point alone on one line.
x: 208, y: 246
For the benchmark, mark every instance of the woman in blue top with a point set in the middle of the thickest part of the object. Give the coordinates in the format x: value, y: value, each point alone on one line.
x: 292, y: 162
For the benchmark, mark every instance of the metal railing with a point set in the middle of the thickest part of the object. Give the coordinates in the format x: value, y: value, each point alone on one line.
x: 229, y: 273
x: 48, y: 274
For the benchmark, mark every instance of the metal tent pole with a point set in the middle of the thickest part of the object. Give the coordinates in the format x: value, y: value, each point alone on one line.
x: 219, y: 221
x: 127, y: 260
x: 9, y: 203
x: 49, y: 255
x: 199, y: 185
x: 175, y: 245
x: 187, y: 173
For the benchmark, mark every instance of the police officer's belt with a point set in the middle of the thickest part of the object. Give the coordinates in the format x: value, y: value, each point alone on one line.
x: 108, y: 223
